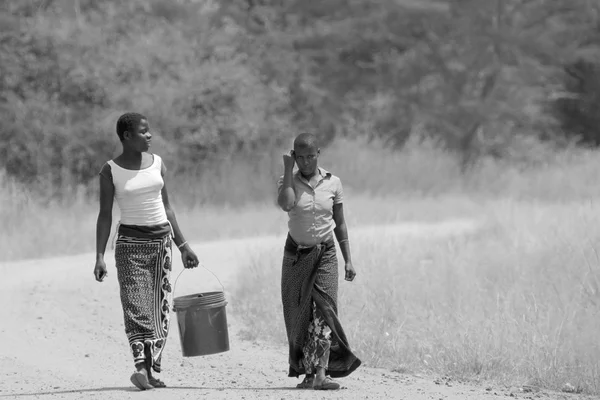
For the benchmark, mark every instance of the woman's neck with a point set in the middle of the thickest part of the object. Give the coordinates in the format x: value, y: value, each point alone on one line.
x: 132, y: 155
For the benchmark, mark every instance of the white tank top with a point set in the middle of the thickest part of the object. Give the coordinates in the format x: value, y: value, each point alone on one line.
x: 138, y: 193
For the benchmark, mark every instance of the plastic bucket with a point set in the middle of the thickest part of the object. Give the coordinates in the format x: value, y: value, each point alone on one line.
x: 202, y: 322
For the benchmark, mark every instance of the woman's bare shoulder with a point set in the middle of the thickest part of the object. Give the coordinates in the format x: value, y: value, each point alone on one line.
x: 106, y: 170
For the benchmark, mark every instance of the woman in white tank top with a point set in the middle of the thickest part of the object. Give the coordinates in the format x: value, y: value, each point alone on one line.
x: 136, y: 179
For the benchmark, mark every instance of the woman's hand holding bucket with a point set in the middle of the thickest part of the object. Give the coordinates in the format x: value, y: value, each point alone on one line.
x: 188, y: 257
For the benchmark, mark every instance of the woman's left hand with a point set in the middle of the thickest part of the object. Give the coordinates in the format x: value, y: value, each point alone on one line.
x: 189, y: 258
x: 350, y: 272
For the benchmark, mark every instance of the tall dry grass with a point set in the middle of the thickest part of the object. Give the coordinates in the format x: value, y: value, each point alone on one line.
x: 235, y: 199
x: 517, y: 301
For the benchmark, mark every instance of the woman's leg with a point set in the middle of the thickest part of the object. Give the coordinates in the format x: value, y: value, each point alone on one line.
x: 143, y: 268
x: 319, y: 330
x: 141, y: 377
x: 316, y: 349
x: 149, y: 364
x: 154, y: 348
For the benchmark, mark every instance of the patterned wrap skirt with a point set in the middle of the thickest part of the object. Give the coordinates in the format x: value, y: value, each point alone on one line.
x: 309, y: 286
x: 143, y: 261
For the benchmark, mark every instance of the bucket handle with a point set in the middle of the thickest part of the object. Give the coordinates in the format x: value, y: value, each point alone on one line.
x: 201, y: 265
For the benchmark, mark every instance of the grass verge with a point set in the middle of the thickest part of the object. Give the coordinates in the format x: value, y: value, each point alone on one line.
x: 514, y: 302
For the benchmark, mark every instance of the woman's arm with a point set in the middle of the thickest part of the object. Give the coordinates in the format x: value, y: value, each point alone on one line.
x: 341, y: 231
x: 189, y: 258
x: 287, y: 194
x: 179, y: 238
x: 104, y: 221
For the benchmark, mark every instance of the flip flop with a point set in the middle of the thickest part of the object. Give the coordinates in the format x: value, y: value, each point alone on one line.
x: 307, y: 383
x: 157, y: 383
x: 328, y: 384
x: 140, y: 380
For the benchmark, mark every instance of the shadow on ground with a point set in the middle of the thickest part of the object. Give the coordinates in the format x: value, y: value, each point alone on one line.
x: 133, y: 389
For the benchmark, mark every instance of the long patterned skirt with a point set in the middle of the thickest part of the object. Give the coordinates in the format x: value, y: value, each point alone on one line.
x: 309, y: 285
x: 143, y: 271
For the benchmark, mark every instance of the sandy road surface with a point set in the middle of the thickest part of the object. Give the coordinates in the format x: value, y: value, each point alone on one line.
x: 62, y: 336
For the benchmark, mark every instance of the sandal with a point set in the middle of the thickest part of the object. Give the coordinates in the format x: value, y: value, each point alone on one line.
x: 157, y: 383
x: 307, y: 383
x: 140, y: 380
x: 328, y: 384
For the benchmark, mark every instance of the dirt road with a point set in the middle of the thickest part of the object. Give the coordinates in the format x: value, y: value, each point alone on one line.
x: 62, y: 336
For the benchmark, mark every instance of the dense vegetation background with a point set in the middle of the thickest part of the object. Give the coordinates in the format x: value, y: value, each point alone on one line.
x: 233, y: 81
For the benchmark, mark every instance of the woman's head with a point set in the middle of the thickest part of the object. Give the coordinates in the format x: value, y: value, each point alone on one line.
x: 306, y: 153
x: 134, y: 132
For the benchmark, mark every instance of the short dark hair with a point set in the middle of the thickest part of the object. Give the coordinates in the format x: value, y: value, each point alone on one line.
x: 306, y: 139
x: 128, y: 122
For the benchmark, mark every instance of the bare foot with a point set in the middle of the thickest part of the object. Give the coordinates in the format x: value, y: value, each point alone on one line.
x: 157, y: 383
x: 140, y: 379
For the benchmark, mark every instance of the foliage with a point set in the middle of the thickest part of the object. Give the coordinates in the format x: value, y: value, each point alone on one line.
x: 241, y: 77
